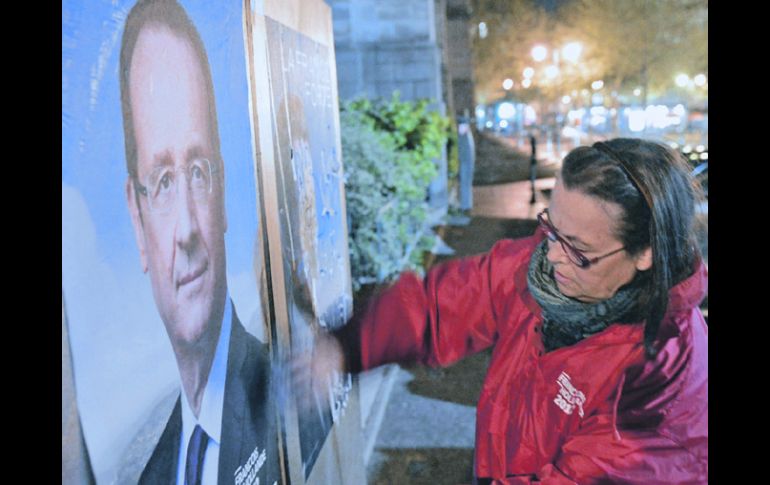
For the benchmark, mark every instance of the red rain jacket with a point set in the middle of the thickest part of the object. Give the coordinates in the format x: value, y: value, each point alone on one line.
x: 593, y: 412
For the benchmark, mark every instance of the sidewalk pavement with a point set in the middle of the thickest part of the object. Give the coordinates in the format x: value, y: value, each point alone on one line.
x: 427, y: 432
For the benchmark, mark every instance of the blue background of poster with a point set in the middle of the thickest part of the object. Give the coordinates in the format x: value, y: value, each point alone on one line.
x: 122, y: 359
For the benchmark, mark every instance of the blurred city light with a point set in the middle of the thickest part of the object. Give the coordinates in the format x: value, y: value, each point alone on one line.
x: 682, y: 80
x: 528, y: 72
x: 530, y: 116
x: 679, y: 110
x: 508, y: 84
x: 637, y: 91
x: 503, y: 124
x: 598, y: 115
x: 526, y: 83
x: 572, y: 51
x: 551, y: 72
x: 481, y: 112
x: 575, y: 115
x: 597, y: 85
x: 506, y: 111
x: 539, y: 53
x: 660, y: 117
x: 566, y: 100
x: 489, y: 124
x: 700, y: 80
x: 598, y: 111
x: 483, y: 30
x: 636, y: 120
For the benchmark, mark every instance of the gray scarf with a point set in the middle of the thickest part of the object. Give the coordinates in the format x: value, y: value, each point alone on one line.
x: 567, y: 321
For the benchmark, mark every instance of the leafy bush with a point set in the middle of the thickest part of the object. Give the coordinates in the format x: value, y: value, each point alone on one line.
x: 389, y: 148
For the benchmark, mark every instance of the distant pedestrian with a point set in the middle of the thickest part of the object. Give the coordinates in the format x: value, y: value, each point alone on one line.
x: 599, y: 368
x: 466, y: 151
x: 532, y: 166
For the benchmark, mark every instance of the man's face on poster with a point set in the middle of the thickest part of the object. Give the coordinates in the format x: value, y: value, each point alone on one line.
x: 180, y: 218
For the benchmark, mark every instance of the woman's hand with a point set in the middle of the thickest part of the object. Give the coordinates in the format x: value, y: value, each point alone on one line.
x: 314, y: 374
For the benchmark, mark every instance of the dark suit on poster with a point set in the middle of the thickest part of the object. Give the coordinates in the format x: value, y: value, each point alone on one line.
x: 248, y: 420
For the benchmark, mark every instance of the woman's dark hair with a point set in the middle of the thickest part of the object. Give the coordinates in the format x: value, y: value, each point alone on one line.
x: 653, y: 186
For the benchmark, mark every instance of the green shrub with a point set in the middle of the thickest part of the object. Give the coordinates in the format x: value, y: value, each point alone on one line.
x: 388, y: 149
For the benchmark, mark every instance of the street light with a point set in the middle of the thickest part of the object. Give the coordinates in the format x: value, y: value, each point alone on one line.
x: 554, y: 78
x: 682, y: 80
x: 572, y: 51
x: 539, y: 53
x: 506, y: 110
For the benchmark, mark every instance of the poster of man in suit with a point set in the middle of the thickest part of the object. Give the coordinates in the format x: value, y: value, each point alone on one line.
x: 168, y: 324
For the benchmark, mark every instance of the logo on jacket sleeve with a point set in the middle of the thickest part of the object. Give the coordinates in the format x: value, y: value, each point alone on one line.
x: 569, y: 398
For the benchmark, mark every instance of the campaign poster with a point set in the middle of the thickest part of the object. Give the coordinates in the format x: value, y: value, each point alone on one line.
x: 163, y: 266
x: 313, y: 226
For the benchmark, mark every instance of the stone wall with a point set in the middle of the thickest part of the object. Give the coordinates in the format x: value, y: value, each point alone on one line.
x: 386, y: 45
x: 460, y: 60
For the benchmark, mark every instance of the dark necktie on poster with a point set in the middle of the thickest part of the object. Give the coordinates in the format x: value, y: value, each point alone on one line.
x: 195, y: 451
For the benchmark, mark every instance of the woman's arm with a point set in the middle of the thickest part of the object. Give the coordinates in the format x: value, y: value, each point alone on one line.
x: 451, y: 313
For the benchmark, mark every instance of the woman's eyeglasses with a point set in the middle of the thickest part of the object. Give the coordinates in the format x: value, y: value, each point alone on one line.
x: 574, y: 254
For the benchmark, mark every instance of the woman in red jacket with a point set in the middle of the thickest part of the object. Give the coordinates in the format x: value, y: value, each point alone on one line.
x: 599, y: 372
